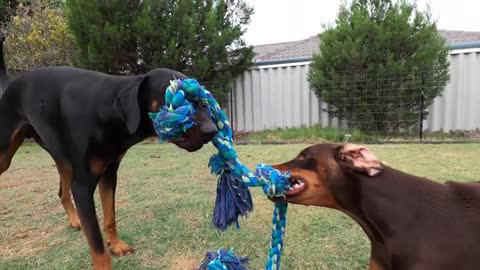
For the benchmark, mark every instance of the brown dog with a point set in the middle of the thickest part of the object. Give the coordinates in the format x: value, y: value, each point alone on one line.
x: 412, y: 222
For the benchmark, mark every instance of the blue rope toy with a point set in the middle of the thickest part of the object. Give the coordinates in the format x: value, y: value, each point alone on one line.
x: 233, y: 197
x: 223, y: 260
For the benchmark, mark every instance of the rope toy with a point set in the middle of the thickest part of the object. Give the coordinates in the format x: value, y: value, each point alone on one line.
x: 222, y: 260
x: 233, y: 197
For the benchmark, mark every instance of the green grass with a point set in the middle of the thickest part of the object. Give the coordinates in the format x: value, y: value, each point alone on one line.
x: 317, y: 134
x: 164, y: 207
x: 307, y: 134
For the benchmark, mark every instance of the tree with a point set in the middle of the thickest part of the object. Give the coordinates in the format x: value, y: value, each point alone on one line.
x: 202, y: 39
x: 37, y: 36
x: 104, y: 34
x: 7, y: 10
x: 374, y: 64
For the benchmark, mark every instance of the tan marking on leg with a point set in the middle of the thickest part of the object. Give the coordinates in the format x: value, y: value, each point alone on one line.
x: 65, y: 172
x: 98, y: 166
x: 101, y: 261
x: 374, y: 265
x: 16, y: 139
x: 107, y: 196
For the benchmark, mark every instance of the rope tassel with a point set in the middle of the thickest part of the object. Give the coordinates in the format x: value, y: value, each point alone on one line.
x: 223, y: 260
x: 233, y: 200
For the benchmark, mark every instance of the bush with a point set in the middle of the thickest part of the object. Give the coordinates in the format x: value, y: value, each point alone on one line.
x: 38, y: 36
x: 381, y: 65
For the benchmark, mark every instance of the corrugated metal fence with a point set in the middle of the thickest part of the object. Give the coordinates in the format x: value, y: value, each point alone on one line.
x: 279, y: 96
x: 459, y: 106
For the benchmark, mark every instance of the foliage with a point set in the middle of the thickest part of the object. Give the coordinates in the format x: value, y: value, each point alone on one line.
x: 104, y: 34
x: 38, y: 36
x: 202, y: 39
x: 7, y: 10
x: 374, y: 65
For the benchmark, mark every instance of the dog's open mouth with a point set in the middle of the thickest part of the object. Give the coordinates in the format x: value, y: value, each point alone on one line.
x: 296, y: 185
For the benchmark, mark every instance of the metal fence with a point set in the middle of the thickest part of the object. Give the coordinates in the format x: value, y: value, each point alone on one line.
x: 384, y: 106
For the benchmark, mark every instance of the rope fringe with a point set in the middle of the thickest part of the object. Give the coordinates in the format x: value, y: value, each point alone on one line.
x: 223, y: 260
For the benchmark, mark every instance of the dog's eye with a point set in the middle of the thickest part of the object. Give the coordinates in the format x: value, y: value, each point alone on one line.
x: 303, y: 157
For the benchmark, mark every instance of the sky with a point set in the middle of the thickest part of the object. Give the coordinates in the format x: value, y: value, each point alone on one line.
x: 277, y: 21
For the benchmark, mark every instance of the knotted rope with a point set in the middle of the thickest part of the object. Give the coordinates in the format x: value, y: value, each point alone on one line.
x: 223, y: 260
x: 233, y: 197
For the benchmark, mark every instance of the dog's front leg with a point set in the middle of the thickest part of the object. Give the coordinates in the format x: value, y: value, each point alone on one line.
x: 107, y: 186
x: 83, y: 187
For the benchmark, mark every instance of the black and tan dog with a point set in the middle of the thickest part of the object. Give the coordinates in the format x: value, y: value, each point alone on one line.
x: 413, y: 223
x: 87, y: 121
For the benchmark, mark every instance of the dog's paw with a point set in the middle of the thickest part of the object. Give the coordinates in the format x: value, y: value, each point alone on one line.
x: 75, y: 223
x: 120, y: 248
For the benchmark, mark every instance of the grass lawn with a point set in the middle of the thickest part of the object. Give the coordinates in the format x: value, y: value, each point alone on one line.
x: 317, y: 134
x: 164, y: 206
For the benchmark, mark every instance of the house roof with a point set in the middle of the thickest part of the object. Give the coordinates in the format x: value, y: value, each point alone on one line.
x: 302, y: 50
x: 459, y: 37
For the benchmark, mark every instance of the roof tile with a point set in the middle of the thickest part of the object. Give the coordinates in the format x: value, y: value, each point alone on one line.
x: 305, y: 48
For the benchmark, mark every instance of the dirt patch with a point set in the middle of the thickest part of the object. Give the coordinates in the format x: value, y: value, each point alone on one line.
x: 26, y: 207
x: 26, y: 177
x: 184, y: 263
x: 29, y: 242
x: 170, y: 261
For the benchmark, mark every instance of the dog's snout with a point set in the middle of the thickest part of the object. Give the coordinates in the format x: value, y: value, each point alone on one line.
x: 209, y: 132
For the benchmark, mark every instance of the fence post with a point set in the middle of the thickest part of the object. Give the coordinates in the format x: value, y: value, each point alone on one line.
x: 232, y: 117
x: 422, y: 102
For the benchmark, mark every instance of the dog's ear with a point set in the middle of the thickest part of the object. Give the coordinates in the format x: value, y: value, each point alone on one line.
x: 360, y: 159
x: 127, y: 104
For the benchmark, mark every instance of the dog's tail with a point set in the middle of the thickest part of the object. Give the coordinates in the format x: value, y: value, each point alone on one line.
x: 3, y: 68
